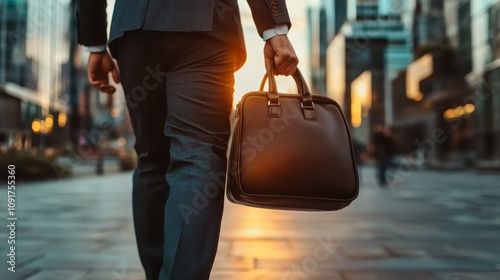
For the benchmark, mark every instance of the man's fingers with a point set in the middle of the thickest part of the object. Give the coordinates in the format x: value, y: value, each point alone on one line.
x: 283, y: 66
x: 290, y: 67
x: 116, y: 75
x: 284, y: 55
x: 287, y: 71
x: 286, y: 65
x: 97, y: 83
x: 99, y: 67
x: 268, y: 62
x: 108, y: 89
x: 95, y: 78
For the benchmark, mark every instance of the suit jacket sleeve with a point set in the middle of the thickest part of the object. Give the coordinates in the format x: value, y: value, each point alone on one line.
x: 269, y: 13
x: 92, y: 22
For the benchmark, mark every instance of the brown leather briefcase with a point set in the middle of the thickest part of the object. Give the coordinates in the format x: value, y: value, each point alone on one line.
x: 291, y: 151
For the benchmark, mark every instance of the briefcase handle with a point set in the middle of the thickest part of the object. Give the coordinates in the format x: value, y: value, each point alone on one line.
x: 307, y: 103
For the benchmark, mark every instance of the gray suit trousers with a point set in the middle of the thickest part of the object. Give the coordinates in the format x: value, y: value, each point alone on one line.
x: 179, y: 92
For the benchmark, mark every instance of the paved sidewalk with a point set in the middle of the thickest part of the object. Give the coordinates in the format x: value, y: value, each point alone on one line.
x: 88, y: 167
x: 436, y: 225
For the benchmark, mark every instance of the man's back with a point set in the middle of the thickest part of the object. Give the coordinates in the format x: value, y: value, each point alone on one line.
x: 217, y: 18
x: 164, y: 15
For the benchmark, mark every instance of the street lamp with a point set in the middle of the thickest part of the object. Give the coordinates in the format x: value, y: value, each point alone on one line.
x: 61, y: 120
x: 36, y: 126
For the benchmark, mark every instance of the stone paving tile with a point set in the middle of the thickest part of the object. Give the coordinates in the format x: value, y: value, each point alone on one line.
x: 423, y: 234
x: 306, y: 247
x: 434, y: 223
x: 20, y: 274
x: 293, y: 275
x: 384, y: 275
x: 291, y: 232
x: 233, y: 264
x: 85, y: 260
x: 470, y: 254
x: 224, y: 248
x: 129, y: 249
x: 22, y: 258
x: 412, y: 250
x: 224, y: 275
x: 485, y: 252
x: 260, y: 274
x: 114, y: 274
x: 395, y: 264
x: 84, y: 245
x: 59, y: 274
x: 468, y: 276
x: 362, y: 252
x: 321, y: 276
x: 276, y: 249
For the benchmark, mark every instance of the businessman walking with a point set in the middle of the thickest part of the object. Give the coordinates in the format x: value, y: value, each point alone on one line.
x: 176, y: 61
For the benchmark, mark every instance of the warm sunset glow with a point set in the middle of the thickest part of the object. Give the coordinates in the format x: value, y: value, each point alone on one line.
x: 361, y: 97
x: 249, y: 76
x: 335, y: 64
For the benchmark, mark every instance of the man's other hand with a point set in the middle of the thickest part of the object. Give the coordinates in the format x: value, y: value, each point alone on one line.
x: 100, y: 64
x: 279, y: 49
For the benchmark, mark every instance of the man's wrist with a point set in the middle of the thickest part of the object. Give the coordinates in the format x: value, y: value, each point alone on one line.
x: 99, y: 48
x: 281, y: 29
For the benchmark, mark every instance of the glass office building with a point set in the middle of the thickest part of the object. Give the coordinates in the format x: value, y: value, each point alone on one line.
x: 434, y: 97
x: 485, y: 80
x: 374, y: 36
x: 34, y: 59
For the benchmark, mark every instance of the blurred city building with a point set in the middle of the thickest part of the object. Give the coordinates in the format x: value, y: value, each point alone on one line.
x: 45, y: 99
x: 426, y: 68
x: 33, y: 60
x: 323, y: 23
x: 368, y: 42
x: 12, y: 66
x: 433, y: 85
x: 485, y: 80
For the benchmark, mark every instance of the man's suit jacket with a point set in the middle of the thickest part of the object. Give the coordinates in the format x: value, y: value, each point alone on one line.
x: 217, y: 18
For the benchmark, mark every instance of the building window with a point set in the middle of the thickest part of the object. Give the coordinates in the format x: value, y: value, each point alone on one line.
x: 494, y: 30
x: 367, y: 10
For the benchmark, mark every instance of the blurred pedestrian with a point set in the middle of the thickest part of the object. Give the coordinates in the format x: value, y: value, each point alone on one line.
x: 383, y: 150
x: 176, y: 61
x: 360, y: 154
